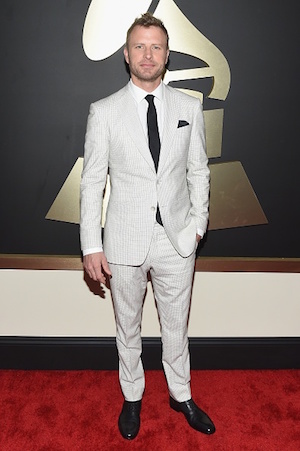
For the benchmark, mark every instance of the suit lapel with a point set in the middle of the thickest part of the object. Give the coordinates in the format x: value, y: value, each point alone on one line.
x: 169, y: 128
x: 134, y: 127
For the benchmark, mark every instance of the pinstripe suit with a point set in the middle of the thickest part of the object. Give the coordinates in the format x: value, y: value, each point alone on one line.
x: 133, y: 242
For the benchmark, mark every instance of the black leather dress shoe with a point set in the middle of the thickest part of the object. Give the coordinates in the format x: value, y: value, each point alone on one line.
x: 196, y: 418
x: 129, y: 419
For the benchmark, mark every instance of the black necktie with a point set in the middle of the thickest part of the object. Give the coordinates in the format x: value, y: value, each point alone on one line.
x: 153, y: 137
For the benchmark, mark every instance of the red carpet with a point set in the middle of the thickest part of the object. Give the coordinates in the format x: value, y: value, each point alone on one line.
x: 78, y: 411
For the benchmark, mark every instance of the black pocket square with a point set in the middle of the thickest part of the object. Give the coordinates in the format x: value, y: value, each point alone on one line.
x: 182, y: 124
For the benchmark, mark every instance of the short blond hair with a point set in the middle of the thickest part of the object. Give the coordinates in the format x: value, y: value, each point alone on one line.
x: 147, y: 20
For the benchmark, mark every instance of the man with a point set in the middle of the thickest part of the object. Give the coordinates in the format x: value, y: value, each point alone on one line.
x: 154, y: 149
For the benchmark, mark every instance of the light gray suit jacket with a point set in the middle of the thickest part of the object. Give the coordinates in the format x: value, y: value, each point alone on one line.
x: 115, y: 142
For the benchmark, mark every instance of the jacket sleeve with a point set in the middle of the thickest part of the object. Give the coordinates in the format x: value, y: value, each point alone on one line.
x: 198, y: 174
x: 93, y: 179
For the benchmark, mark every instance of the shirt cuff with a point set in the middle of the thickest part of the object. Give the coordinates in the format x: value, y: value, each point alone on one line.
x: 92, y: 250
x: 200, y: 232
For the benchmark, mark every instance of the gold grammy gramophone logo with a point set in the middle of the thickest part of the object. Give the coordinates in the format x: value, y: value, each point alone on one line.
x: 233, y: 202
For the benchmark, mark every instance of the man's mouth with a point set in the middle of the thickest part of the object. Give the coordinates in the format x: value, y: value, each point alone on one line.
x: 147, y: 65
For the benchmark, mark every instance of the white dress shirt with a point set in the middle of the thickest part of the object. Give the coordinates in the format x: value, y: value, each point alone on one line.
x: 142, y: 106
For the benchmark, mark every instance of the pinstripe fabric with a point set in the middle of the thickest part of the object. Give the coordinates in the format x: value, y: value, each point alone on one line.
x: 171, y: 277
x: 115, y: 141
x: 133, y: 242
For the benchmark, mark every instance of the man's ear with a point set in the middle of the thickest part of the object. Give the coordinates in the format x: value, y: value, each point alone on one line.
x: 168, y: 54
x: 125, y: 51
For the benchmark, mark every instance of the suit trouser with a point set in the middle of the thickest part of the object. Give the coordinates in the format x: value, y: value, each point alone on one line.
x: 171, y: 277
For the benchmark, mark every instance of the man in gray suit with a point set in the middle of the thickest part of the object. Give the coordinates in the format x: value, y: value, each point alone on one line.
x: 150, y: 138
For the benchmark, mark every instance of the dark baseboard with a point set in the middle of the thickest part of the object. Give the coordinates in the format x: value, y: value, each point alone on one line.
x: 70, y: 353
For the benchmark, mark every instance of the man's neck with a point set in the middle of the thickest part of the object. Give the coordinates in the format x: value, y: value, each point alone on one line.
x: 148, y: 86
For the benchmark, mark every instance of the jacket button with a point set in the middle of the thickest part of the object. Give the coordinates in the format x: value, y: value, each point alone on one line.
x: 153, y: 208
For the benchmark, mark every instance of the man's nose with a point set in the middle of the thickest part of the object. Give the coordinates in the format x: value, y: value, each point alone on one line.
x: 148, y: 52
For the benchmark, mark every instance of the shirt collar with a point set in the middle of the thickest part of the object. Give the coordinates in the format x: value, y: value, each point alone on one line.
x: 139, y: 94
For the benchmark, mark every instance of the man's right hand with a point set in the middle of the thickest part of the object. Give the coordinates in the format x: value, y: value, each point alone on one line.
x: 96, y: 266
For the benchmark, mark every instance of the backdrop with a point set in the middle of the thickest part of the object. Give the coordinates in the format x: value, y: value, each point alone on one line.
x: 48, y: 83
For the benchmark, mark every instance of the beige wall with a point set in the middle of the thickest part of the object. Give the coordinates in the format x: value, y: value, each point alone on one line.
x: 59, y: 303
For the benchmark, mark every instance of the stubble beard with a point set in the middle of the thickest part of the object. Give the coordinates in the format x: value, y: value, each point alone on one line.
x: 145, y: 76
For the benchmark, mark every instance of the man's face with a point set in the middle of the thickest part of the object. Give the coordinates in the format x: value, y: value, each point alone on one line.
x: 147, y: 55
